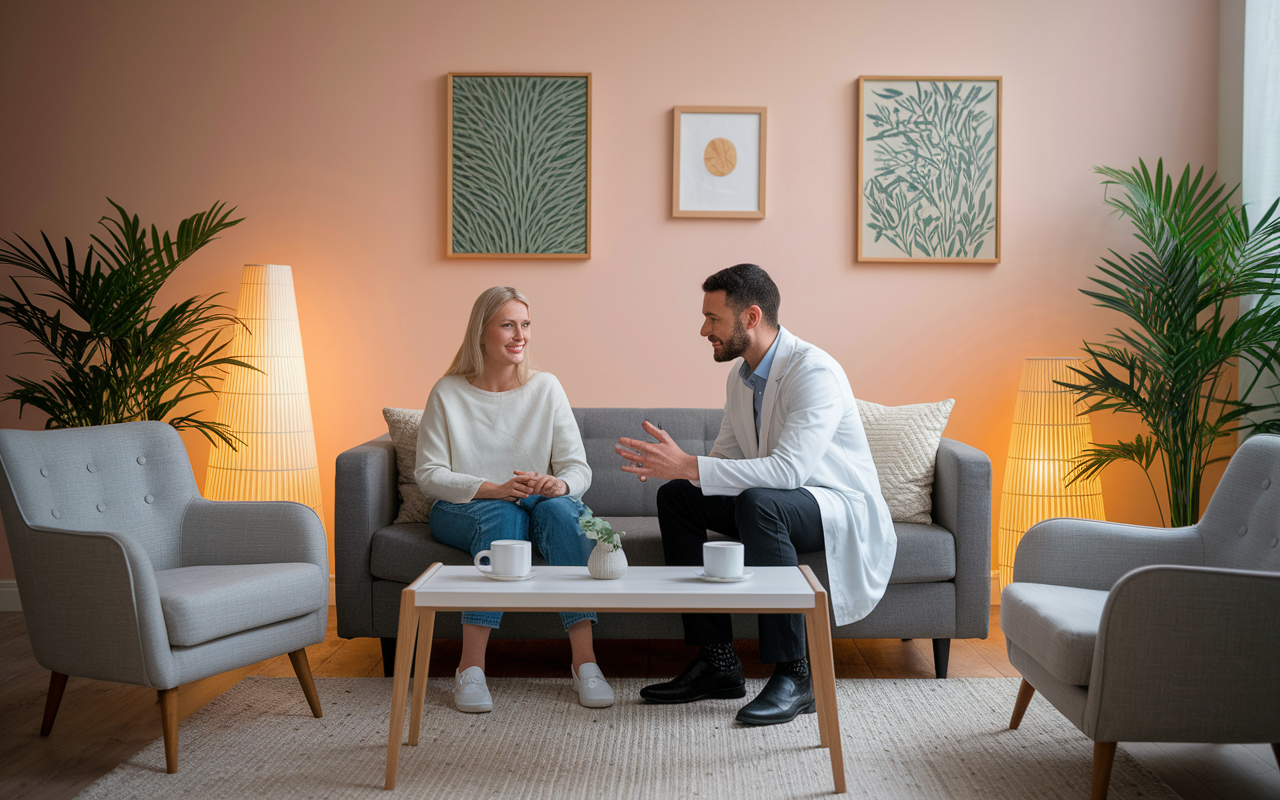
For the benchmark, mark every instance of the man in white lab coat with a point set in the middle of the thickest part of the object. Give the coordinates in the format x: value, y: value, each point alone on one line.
x: 790, y: 472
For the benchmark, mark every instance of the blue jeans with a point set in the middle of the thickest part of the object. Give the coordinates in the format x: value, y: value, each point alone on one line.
x: 550, y: 523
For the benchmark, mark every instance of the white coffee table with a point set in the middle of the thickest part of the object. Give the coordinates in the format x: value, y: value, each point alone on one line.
x: 771, y: 590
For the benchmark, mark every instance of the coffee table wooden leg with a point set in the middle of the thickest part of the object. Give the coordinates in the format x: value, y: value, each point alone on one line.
x: 815, y: 658
x: 823, y: 663
x: 400, y: 687
x: 426, y: 627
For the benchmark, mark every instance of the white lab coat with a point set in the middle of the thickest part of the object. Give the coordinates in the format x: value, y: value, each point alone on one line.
x: 812, y: 437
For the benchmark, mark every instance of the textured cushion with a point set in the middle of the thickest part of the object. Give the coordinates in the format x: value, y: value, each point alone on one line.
x: 402, y: 424
x: 904, y: 444
x: 205, y: 603
x: 1055, y: 625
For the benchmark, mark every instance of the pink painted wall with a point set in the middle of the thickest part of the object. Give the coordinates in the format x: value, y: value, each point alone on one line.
x: 324, y: 123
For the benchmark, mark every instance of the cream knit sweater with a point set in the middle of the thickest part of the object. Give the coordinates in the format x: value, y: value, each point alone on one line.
x: 469, y: 436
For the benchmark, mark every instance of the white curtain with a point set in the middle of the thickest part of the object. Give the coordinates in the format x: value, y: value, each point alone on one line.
x: 1260, y: 153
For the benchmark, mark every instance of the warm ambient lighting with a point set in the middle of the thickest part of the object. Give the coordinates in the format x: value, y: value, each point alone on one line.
x: 269, y: 410
x: 1047, y: 436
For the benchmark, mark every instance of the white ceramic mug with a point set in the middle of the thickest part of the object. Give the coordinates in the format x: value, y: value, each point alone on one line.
x: 509, y: 558
x: 722, y: 559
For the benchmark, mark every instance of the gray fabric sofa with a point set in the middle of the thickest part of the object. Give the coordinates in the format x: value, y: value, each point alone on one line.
x: 940, y: 588
x: 1156, y: 634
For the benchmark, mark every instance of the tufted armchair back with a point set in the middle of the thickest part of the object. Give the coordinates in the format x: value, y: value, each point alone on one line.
x: 1241, y: 527
x: 132, y: 480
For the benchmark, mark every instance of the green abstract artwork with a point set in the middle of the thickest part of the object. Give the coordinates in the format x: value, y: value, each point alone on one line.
x: 928, y: 164
x: 519, y: 166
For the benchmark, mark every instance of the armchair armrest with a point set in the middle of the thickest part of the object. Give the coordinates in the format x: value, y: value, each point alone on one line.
x: 1088, y: 554
x: 92, y: 606
x: 366, y: 498
x: 1187, y: 654
x: 962, y: 505
x: 252, y: 532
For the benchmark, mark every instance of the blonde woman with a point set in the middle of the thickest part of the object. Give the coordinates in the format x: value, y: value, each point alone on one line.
x: 500, y: 454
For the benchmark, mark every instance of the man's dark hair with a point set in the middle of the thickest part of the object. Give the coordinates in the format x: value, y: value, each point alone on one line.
x: 746, y: 285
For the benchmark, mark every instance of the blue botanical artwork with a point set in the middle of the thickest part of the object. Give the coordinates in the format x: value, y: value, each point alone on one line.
x: 929, y: 160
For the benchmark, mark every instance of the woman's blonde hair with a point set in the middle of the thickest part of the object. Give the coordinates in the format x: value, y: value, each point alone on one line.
x: 469, y: 362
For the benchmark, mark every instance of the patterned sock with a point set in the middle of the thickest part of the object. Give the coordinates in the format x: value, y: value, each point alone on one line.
x: 798, y: 669
x: 721, y: 655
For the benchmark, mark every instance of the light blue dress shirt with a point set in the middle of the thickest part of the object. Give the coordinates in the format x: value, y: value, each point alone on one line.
x: 757, y: 381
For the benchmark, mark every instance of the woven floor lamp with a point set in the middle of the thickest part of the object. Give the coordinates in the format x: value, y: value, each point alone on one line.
x: 270, y: 411
x: 1048, y: 434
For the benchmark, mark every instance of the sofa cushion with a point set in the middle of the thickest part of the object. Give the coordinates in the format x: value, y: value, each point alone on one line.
x: 926, y: 553
x: 402, y: 424
x: 904, y: 445
x: 1055, y: 625
x: 402, y: 552
x: 205, y: 603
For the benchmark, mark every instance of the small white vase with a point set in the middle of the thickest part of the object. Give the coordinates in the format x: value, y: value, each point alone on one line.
x: 607, y: 563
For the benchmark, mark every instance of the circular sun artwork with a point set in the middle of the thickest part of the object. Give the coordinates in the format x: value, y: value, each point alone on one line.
x: 720, y: 157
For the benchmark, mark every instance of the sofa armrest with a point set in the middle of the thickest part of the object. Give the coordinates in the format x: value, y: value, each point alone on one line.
x: 962, y: 505
x: 366, y: 498
x: 252, y: 532
x: 1187, y: 654
x: 1089, y: 554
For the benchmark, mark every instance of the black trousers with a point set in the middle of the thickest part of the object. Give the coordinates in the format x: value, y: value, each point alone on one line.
x: 773, y: 526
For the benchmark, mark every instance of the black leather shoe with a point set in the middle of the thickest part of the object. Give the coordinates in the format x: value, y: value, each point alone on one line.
x: 701, y: 680
x: 783, y: 698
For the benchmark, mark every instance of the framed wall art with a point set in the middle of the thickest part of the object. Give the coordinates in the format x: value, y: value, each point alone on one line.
x: 929, y: 170
x: 718, y: 162
x: 518, y: 179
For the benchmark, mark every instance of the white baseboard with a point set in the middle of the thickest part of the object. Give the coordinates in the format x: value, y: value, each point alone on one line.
x: 9, y: 600
x: 333, y: 595
x: 995, y: 587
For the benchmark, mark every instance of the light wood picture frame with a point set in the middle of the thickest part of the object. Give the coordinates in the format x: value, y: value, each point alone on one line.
x: 718, y: 161
x: 929, y: 170
x: 526, y: 192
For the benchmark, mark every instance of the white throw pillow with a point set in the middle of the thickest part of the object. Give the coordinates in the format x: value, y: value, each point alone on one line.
x: 402, y: 424
x: 904, y: 445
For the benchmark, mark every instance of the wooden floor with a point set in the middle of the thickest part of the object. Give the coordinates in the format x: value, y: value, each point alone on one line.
x: 102, y: 724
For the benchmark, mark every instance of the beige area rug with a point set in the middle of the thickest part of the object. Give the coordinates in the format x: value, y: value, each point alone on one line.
x: 902, y: 739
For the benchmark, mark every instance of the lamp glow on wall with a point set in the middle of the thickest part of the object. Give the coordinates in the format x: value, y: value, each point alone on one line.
x: 1048, y: 434
x: 270, y: 411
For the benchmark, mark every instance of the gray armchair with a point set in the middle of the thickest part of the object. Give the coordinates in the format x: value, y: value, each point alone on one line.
x: 1154, y: 634
x: 127, y: 574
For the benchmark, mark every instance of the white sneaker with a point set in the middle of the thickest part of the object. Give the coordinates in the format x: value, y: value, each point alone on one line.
x: 593, y: 691
x: 470, y: 694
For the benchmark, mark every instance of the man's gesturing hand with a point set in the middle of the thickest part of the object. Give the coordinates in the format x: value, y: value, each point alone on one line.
x: 663, y: 459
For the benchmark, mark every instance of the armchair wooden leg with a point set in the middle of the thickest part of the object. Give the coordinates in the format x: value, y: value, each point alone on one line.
x: 57, y: 685
x: 1104, y: 754
x: 302, y: 667
x: 1025, y: 691
x: 169, y: 723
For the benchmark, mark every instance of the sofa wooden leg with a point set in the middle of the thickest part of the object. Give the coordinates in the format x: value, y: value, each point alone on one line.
x: 1104, y: 754
x: 302, y: 667
x: 57, y: 685
x: 169, y: 724
x: 1025, y: 691
x: 941, y: 652
x: 389, y: 658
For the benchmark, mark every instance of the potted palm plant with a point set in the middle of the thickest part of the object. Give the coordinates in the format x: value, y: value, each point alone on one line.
x: 117, y: 357
x: 1175, y: 361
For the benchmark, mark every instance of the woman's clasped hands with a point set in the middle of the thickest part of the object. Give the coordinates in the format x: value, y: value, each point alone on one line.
x: 523, y: 484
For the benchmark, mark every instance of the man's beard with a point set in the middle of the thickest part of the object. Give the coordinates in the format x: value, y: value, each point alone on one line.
x: 735, y: 346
